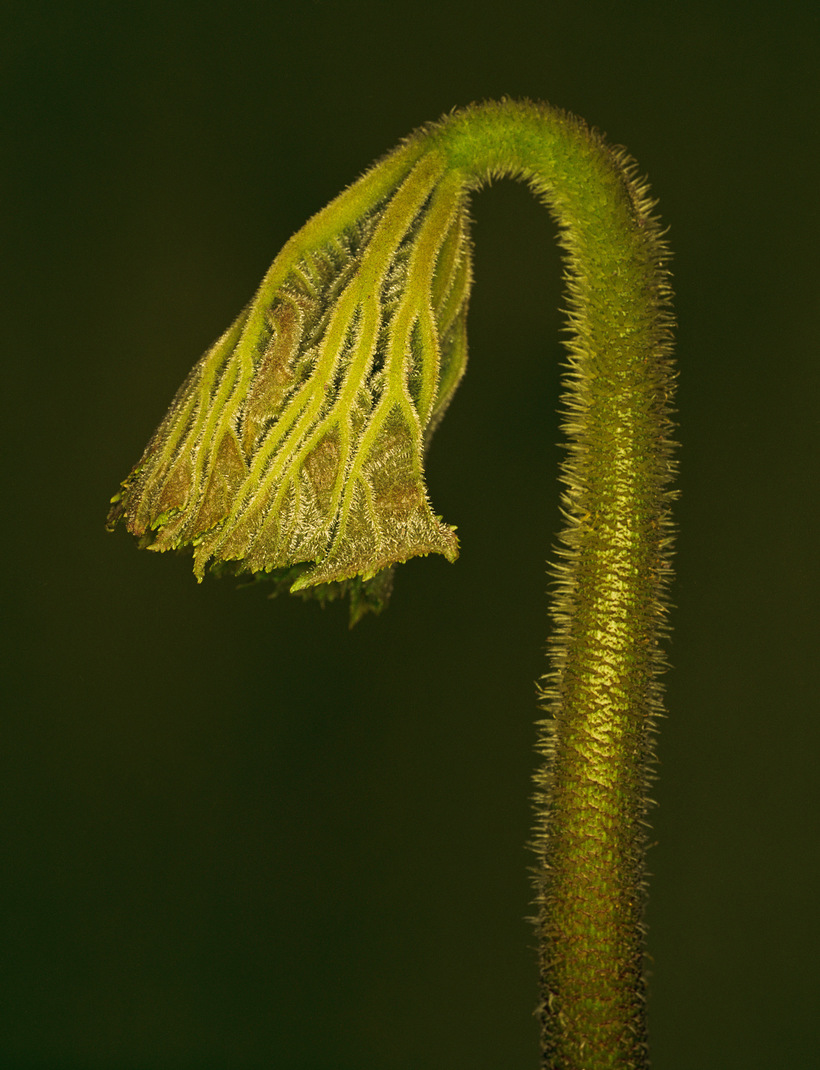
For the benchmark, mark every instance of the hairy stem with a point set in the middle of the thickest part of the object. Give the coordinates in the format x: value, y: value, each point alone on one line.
x: 613, y: 568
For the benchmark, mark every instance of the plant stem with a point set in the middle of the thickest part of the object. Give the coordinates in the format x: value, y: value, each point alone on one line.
x: 602, y: 691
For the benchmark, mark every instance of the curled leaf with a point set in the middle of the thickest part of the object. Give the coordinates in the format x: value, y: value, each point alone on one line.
x: 295, y: 447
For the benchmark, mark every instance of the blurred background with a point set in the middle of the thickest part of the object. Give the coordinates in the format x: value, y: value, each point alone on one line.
x: 238, y: 835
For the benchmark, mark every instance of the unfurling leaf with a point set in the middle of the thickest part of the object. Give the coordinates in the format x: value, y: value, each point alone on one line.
x: 295, y: 447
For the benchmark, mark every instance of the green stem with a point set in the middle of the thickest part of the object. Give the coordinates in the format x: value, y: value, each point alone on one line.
x: 602, y: 691
x: 295, y: 449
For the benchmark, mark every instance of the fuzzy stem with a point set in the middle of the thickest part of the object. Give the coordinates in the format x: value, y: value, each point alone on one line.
x: 602, y: 691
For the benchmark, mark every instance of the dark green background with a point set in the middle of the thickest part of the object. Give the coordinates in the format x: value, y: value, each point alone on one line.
x: 239, y: 836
